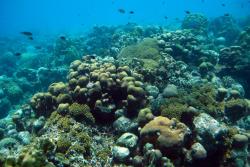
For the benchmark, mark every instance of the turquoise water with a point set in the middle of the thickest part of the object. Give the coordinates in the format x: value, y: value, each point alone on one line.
x: 52, y: 16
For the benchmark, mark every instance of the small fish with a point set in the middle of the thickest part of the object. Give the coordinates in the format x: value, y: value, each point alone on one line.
x: 131, y: 12
x: 31, y: 38
x: 38, y: 47
x: 121, y: 11
x: 89, y: 57
x: 223, y: 4
x: 18, y: 54
x: 187, y: 12
x: 26, y: 33
x: 226, y: 14
x: 166, y: 17
x: 63, y: 38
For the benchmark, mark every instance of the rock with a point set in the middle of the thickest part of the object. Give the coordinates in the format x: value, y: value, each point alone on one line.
x: 38, y: 124
x: 128, y: 140
x: 152, y: 91
x: 5, y: 106
x: 220, y: 41
x: 161, y: 43
x: 239, y: 88
x: 209, y: 130
x: 198, y: 151
x: 119, y: 113
x: 120, y: 154
x: 244, y: 123
x: 222, y: 93
x: 170, y: 91
x: 124, y: 124
x: 138, y: 161
x: 24, y: 137
x: 240, y: 141
x: 144, y: 116
x: 236, y: 109
x: 12, y: 133
x: 240, y: 152
x: 8, y: 143
x: 234, y: 94
x: 153, y: 157
x: 1, y: 133
x: 63, y: 108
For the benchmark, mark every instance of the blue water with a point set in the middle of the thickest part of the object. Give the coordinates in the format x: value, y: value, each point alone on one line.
x: 61, y: 16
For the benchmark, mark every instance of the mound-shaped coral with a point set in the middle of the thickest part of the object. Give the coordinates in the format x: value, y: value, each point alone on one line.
x: 198, y: 23
x: 166, y: 134
x: 81, y: 112
x: 105, y: 88
x: 225, y: 26
x: 43, y: 104
x: 146, y: 51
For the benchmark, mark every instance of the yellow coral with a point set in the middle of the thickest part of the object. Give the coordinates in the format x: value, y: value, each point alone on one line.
x: 81, y: 112
x: 164, y: 132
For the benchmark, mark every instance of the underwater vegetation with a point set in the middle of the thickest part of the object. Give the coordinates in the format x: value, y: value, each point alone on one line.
x: 129, y: 96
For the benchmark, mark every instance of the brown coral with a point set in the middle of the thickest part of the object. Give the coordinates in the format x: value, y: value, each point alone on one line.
x: 43, y: 104
x: 165, y: 134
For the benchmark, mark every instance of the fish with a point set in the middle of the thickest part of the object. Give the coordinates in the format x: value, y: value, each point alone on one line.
x: 131, y: 12
x: 166, y: 17
x: 121, y: 11
x: 187, y: 12
x: 27, y: 33
x: 38, y: 47
x: 31, y: 38
x: 18, y: 54
x: 63, y: 38
x: 89, y: 57
x: 226, y: 14
x: 223, y: 4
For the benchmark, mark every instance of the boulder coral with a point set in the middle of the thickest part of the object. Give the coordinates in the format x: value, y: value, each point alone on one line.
x: 147, y: 51
x: 81, y: 112
x: 43, y: 104
x: 198, y: 23
x: 166, y: 134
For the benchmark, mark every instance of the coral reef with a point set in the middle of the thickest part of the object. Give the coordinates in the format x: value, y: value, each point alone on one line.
x: 197, y: 23
x: 165, y: 134
x: 146, y: 51
x: 144, y: 96
x: 225, y: 26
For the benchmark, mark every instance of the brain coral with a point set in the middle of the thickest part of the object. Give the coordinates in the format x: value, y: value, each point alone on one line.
x: 165, y: 133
